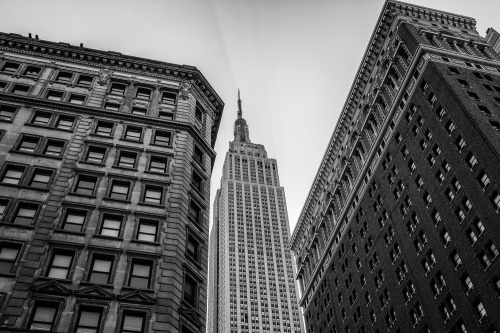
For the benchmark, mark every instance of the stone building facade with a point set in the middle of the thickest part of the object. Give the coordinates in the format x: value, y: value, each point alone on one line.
x: 105, y: 166
x: 251, y: 285
x: 399, y: 232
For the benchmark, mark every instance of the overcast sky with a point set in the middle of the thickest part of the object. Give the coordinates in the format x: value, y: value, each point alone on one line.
x: 294, y: 60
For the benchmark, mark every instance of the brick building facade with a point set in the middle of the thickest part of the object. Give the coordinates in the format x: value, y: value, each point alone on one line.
x: 400, y: 228
x: 105, y: 166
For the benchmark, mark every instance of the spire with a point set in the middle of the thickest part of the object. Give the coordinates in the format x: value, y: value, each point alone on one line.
x: 240, y: 125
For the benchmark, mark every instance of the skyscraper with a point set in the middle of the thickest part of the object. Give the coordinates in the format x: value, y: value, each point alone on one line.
x: 400, y: 232
x: 251, y: 285
x: 105, y: 166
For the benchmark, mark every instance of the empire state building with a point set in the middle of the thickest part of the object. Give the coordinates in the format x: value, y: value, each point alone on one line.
x: 251, y: 279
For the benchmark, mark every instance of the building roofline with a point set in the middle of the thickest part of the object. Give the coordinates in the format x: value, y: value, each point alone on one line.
x: 389, y: 10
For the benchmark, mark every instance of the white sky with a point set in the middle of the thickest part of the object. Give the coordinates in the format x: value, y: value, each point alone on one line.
x: 294, y: 60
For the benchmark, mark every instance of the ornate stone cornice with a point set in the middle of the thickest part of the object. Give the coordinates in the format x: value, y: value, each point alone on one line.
x: 391, y: 10
x: 30, y: 101
x: 111, y: 61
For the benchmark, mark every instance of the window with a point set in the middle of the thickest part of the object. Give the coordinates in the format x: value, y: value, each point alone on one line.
x: 60, y: 264
x: 74, y: 220
x: 119, y: 190
x: 111, y: 225
x: 3, y: 84
x: 197, y: 182
x: 460, y: 143
x: 84, y: 80
x: 158, y: 164
x: 95, y: 154
x: 28, y: 144
x: 484, y: 110
x: 483, y: 179
x: 9, y: 253
x: 445, y: 237
x: 165, y: 115
x: 41, y: 178
x: 133, y: 322
x: 153, y: 195
x: 21, y: 89
x: 32, y: 71
x: 198, y: 155
x: 495, y: 200
x: 44, y: 316
x: 54, y: 95
x: 143, y: 93
x: 169, y: 97
x: 64, y: 77
x: 195, y: 212
x: 139, y: 110
x: 450, y: 127
x: 10, y: 67
x: 471, y: 160
x: 65, y: 122
x: 147, y: 230
x: 198, y: 113
x: 25, y: 213
x: 117, y: 89
x: 41, y: 118
x: 190, y: 291
x: 140, y: 274
x: 480, y: 310
x: 192, y: 248
x: 104, y: 128
x: 440, y: 112
x: 455, y: 258
x: 463, y: 83
x: 127, y: 159
x: 88, y: 320
x: 100, y: 269
x: 86, y: 185
x: 473, y: 95
x: 133, y: 133
x: 162, y: 138
x: 77, y: 99
x: 112, y: 106
x: 54, y: 148
x: 3, y: 206
x: 13, y: 174
x: 467, y: 283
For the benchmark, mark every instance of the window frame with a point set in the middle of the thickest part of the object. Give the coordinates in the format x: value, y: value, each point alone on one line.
x: 128, y: 127
x: 111, y: 257
x: 158, y: 186
x: 47, y: 143
x: 119, y: 181
x: 14, y: 213
x: 17, y: 166
x: 78, y: 177
x: 50, y: 262
x: 136, y: 260
x: 96, y: 127
x: 158, y: 157
x: 62, y: 93
x: 147, y: 220
x: 41, y: 112
x: 196, y: 297
x: 122, y: 152
x: 37, y: 303
x: 14, y: 113
x: 9, y: 62
x: 91, y: 145
x: 15, y: 262
x: 90, y: 308
x: 77, y: 95
x: 18, y: 85
x: 136, y: 313
x: 27, y: 67
x: 112, y: 216
x: 78, y: 210
x: 154, y: 140
x: 32, y: 174
x: 63, y: 73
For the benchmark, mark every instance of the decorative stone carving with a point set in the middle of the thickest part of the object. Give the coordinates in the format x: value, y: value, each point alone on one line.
x: 105, y: 75
x: 184, y: 90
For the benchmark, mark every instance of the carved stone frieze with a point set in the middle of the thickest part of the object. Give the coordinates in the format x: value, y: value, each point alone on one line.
x: 105, y: 74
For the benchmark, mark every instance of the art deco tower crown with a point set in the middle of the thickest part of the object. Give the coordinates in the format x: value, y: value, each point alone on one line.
x: 240, y: 125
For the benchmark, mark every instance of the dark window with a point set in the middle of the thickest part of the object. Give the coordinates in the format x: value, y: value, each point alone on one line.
x: 169, y: 97
x: 140, y: 274
x: 162, y: 138
x: 41, y: 118
x: 60, y: 264
x: 197, y: 182
x: 198, y: 155
x: 3, y: 84
x: 100, y: 270
x: 84, y: 80
x: 139, y: 110
x: 64, y: 77
x: 54, y: 148
x: 104, y: 128
x: 65, y: 122
x: 192, y: 248
x: 146, y: 231
x: 111, y: 225
x: 41, y: 178
x: 89, y: 320
x: 76, y: 99
x: 55, y: 95
x: 198, y: 113
x: 133, y: 323
x: 165, y: 115
x: 3, y: 206
x: 32, y: 71
x: 44, y: 316
x: 86, y: 185
x: 95, y: 154
x: 112, y: 106
x: 74, y: 220
x: 473, y: 95
x: 190, y: 290
x: 25, y: 213
x: 119, y: 190
x: 10, y: 67
x: 143, y: 93
x: 21, y: 89
x: 117, y: 89
x: 28, y: 144
x: 194, y: 212
x: 158, y: 164
x: 133, y: 133
x: 127, y: 159
x: 13, y: 174
x: 7, y: 112
x: 153, y: 195
x: 9, y: 253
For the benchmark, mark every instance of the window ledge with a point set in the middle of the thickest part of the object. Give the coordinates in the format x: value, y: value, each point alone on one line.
x: 25, y: 187
x: 151, y: 205
x: 69, y: 232
x: 49, y: 127
x: 156, y: 173
x: 163, y: 146
x: 127, y: 289
x: 134, y: 141
x: 92, y: 163
x: 5, y: 121
x: 82, y: 195
x: 137, y: 241
x: 116, y: 200
x: 125, y: 168
x: 102, y: 136
x: 39, y: 155
x: 108, y: 237
x: 22, y: 226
